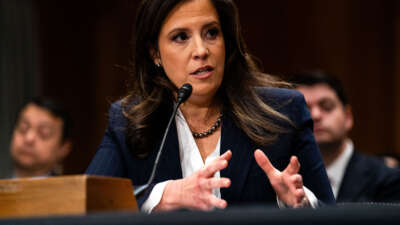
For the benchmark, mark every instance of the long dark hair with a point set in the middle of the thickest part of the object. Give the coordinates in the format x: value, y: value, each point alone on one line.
x: 152, y: 92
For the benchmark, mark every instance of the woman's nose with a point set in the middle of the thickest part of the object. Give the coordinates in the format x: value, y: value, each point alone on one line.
x: 200, y: 49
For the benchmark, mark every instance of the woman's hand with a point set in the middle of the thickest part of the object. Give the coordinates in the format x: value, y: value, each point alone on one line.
x: 195, y: 191
x: 287, y: 184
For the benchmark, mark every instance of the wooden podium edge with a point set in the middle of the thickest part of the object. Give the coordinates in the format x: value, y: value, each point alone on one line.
x: 109, y: 193
x: 65, y: 195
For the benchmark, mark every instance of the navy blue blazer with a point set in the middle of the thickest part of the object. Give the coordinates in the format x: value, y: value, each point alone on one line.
x: 368, y: 179
x: 249, y: 183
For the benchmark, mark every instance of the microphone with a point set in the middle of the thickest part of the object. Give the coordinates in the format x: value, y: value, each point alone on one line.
x: 183, y: 94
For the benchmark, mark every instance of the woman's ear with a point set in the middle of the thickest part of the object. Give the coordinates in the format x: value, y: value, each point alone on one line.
x: 155, y: 55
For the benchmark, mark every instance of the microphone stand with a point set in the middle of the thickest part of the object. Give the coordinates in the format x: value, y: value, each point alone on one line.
x: 183, y: 94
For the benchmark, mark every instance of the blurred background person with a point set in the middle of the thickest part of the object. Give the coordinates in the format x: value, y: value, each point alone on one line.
x: 41, y: 139
x: 391, y: 160
x: 354, y: 177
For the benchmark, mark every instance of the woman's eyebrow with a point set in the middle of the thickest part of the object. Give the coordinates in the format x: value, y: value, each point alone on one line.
x: 184, y: 29
x: 177, y: 30
x: 213, y: 23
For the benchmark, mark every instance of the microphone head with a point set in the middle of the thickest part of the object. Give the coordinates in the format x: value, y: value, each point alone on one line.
x: 184, y: 92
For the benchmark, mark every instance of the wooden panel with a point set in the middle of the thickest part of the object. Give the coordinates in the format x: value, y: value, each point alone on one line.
x: 64, y: 196
x: 34, y: 197
x: 396, y: 83
x: 79, y: 48
x: 352, y: 39
x: 105, y: 194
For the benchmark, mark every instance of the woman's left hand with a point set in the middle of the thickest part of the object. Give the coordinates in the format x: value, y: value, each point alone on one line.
x: 287, y: 184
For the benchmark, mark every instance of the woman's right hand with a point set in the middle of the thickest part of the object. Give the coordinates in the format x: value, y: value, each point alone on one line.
x: 195, y: 191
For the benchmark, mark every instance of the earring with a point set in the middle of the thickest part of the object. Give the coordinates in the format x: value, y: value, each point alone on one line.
x: 158, y: 64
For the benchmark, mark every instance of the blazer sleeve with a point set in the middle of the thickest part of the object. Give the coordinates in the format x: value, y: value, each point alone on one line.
x: 108, y: 158
x: 312, y: 167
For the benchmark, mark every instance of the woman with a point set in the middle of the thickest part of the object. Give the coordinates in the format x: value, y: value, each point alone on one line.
x: 210, y: 157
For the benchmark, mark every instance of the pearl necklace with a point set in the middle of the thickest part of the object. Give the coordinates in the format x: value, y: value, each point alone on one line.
x: 209, y: 131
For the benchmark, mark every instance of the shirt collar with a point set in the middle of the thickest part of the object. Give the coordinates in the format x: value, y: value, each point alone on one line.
x: 337, y: 169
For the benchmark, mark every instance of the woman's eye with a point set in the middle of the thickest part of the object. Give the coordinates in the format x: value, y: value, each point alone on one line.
x: 212, y: 33
x: 180, y: 37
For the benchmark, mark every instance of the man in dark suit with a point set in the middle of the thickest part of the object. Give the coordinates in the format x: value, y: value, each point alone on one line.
x: 40, y: 138
x: 354, y: 177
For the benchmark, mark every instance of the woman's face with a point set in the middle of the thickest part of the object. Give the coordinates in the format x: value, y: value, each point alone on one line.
x: 192, y: 48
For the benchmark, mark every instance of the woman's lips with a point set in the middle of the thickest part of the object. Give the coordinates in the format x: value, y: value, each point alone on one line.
x: 203, y: 75
x: 203, y: 72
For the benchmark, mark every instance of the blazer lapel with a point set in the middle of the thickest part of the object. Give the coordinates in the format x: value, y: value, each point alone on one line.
x: 232, y: 138
x: 349, y: 191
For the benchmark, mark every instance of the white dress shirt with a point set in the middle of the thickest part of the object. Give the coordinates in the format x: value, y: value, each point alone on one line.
x: 191, y: 162
x: 337, y: 169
